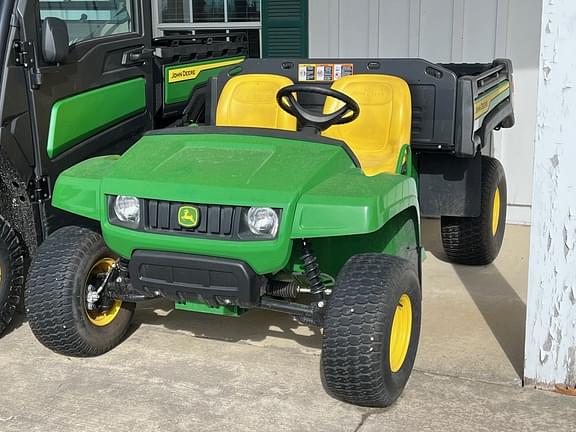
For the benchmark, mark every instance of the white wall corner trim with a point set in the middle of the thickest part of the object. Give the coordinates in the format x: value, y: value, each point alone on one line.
x: 550, y: 355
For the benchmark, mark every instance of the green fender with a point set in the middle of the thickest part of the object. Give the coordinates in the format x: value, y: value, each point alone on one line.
x: 77, y: 190
x: 351, y: 203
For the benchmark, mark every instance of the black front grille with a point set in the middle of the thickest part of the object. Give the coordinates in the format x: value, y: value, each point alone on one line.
x: 214, y: 220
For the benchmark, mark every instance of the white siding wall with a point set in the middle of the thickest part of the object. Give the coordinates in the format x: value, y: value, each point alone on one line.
x: 445, y: 31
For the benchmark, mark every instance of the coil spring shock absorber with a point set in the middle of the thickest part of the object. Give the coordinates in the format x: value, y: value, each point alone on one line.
x: 282, y: 289
x: 312, y: 271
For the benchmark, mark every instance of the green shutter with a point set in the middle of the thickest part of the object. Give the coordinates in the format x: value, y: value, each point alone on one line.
x: 285, y: 28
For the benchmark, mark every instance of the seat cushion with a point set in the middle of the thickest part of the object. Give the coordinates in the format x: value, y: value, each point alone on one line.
x: 376, y: 137
x: 250, y: 101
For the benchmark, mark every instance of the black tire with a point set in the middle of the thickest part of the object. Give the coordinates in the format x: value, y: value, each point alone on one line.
x: 356, y: 360
x: 472, y: 241
x: 11, y: 273
x: 55, y: 295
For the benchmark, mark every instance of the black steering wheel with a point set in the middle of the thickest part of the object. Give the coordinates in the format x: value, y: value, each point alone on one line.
x: 308, y: 119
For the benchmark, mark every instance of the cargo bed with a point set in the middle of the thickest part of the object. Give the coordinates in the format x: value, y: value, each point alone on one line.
x: 455, y: 107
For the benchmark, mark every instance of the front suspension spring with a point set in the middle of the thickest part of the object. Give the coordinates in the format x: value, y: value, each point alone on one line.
x: 312, y: 270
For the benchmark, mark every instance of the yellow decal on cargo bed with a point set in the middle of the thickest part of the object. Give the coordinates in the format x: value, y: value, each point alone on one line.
x: 191, y: 72
x: 482, y: 105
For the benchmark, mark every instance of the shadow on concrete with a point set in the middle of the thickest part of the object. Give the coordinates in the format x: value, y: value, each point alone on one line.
x: 18, y: 320
x: 254, y: 326
x: 502, y: 309
x: 500, y: 305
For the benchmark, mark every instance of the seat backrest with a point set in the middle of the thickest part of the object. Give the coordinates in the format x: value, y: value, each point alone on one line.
x: 250, y: 101
x: 383, y: 127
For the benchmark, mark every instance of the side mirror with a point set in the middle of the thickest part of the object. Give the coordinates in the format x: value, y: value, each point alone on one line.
x: 55, y: 40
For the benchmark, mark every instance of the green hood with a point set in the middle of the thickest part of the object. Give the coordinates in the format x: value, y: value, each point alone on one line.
x: 224, y: 169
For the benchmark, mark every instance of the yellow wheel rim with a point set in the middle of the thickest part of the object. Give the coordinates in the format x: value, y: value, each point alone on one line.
x: 496, y: 212
x: 101, y: 318
x: 400, y: 334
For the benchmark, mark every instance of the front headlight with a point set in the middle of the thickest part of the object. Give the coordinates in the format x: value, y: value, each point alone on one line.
x: 127, y: 209
x: 262, y: 221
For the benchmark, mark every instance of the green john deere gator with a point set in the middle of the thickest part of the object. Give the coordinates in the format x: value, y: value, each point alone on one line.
x: 299, y: 194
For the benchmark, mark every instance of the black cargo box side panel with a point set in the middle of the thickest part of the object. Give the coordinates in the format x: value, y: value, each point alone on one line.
x: 423, y: 112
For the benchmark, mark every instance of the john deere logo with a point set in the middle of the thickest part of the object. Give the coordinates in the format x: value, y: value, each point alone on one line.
x: 188, y: 216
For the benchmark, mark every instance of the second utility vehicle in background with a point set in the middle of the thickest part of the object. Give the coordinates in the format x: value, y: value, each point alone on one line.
x: 80, y: 79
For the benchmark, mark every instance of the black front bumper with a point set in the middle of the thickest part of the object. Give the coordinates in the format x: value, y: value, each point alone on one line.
x: 183, y: 277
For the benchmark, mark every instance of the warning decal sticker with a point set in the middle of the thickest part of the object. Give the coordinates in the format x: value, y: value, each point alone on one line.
x: 324, y: 72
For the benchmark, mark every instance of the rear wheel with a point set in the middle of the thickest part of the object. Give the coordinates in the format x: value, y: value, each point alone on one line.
x: 69, y: 264
x: 11, y: 273
x: 371, y: 330
x: 477, y: 240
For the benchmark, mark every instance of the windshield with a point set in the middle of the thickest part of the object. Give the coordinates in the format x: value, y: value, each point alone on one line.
x: 90, y: 19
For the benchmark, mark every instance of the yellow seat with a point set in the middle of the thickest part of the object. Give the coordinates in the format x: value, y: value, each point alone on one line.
x: 250, y: 101
x: 383, y: 127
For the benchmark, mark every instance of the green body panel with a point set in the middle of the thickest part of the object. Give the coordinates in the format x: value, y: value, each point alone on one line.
x: 263, y: 256
x: 78, y: 117
x: 320, y: 191
x: 233, y: 311
x: 351, y: 203
x: 201, y: 72
x: 398, y: 236
x: 240, y: 170
x: 78, y: 190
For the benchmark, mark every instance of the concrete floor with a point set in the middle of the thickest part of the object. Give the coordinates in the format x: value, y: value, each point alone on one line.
x: 185, y: 372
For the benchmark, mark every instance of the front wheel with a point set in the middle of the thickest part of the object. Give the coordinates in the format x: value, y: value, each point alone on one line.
x: 69, y: 264
x: 477, y: 240
x: 371, y: 330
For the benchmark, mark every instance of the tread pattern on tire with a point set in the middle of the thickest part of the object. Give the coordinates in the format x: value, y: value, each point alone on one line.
x: 469, y: 240
x: 9, y: 300
x: 48, y: 294
x: 352, y: 349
